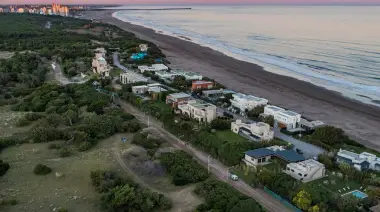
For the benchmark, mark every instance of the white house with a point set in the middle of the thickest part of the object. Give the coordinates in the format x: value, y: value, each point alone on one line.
x: 150, y: 88
x: 362, y: 161
x: 198, y: 110
x: 246, y: 102
x: 143, y: 47
x: 284, y: 118
x: 130, y: 77
x: 255, y: 131
x: 153, y: 68
x: 306, y: 171
x: 99, y: 63
x: 188, y: 75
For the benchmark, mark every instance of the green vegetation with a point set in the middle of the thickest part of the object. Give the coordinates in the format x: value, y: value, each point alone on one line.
x: 123, y: 195
x: 3, y: 168
x: 220, y: 124
x: 183, y: 169
x: 255, y: 112
x: 40, y: 169
x: 220, y: 196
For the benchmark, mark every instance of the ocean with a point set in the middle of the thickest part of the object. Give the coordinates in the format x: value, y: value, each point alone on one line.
x: 335, y: 47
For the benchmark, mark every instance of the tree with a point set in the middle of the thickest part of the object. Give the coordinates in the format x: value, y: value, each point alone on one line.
x: 255, y: 112
x: 314, y: 208
x: 269, y: 120
x: 302, y: 200
x: 326, y: 160
x: 347, y: 203
x: 329, y: 135
x: 220, y: 124
x: 247, y: 205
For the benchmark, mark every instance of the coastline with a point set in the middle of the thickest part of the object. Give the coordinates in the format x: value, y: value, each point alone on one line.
x: 359, y: 120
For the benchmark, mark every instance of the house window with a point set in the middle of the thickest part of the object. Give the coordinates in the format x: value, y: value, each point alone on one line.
x: 300, y: 174
x: 259, y: 160
x: 292, y: 170
x: 263, y: 160
x: 287, y: 169
x: 305, y: 175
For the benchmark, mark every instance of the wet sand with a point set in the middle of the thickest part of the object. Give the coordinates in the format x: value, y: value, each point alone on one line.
x: 359, y: 120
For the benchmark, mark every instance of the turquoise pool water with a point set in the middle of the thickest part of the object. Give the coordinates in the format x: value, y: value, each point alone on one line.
x: 359, y: 194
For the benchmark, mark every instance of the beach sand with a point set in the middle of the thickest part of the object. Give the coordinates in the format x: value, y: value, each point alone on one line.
x: 359, y: 120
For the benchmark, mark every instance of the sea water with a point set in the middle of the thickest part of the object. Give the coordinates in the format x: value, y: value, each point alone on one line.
x: 335, y: 47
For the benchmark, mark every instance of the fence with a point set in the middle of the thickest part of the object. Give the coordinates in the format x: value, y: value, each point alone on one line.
x: 282, y: 200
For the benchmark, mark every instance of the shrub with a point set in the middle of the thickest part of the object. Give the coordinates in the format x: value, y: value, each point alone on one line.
x: 65, y: 152
x: 40, y: 169
x: 8, y: 202
x: 54, y: 146
x: 3, y: 167
x: 84, y: 146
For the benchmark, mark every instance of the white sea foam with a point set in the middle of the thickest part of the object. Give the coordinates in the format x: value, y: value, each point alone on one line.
x: 277, y: 64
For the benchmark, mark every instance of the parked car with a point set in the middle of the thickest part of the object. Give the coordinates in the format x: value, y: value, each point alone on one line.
x: 234, y: 177
x: 299, y: 151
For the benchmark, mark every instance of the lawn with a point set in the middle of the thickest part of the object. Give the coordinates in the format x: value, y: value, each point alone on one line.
x: 335, y: 184
x: 228, y: 135
x: 116, y: 72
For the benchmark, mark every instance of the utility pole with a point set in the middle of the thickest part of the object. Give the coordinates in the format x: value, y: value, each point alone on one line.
x: 208, y: 164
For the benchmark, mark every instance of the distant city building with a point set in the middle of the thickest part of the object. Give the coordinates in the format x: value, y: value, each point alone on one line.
x: 246, y: 102
x: 177, y: 98
x: 284, y: 118
x: 201, y: 84
x: 130, y: 77
x: 262, y: 156
x: 258, y: 131
x: 198, y: 110
x: 1, y: 10
x: 362, y: 161
x: 306, y: 171
x: 20, y: 10
x: 153, y: 68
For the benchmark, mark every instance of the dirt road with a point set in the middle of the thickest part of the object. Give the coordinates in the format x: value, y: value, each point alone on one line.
x: 217, y: 168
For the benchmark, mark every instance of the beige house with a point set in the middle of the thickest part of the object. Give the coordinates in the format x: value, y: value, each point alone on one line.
x: 99, y: 63
x: 198, y: 110
x: 254, y: 131
x: 143, y: 47
x: 306, y: 171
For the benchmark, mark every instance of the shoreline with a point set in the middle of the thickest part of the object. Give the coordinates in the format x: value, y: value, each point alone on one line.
x: 361, y: 121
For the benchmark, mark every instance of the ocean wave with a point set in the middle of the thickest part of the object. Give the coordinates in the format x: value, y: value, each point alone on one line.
x: 271, y: 62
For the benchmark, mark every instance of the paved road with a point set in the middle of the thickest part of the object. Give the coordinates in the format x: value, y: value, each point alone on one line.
x: 217, y: 168
x: 309, y: 150
x: 117, y: 63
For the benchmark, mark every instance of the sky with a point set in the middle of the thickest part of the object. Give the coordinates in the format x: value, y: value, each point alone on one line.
x: 126, y: 2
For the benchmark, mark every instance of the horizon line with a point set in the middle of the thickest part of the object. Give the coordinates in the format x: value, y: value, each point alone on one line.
x: 227, y: 4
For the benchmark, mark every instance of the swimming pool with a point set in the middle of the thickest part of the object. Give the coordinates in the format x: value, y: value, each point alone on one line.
x: 359, y: 194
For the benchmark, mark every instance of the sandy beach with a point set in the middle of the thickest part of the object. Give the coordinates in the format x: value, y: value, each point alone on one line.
x: 359, y: 120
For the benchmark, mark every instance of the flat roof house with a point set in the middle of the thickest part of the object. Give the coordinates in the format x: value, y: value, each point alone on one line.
x: 362, y: 161
x: 153, y: 68
x: 284, y: 118
x: 246, y: 102
x: 188, y: 75
x: 198, y: 110
x: 176, y: 98
x: 201, y: 84
x: 306, y: 171
x: 262, y: 156
x: 143, y: 47
x: 258, y: 131
x: 130, y: 77
x: 213, y: 93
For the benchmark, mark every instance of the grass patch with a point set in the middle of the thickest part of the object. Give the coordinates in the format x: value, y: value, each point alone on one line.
x: 334, y: 183
x: 116, y: 72
x: 228, y: 135
x: 68, y: 186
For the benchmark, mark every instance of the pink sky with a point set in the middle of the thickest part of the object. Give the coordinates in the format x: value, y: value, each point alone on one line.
x: 126, y: 2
